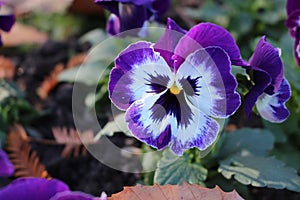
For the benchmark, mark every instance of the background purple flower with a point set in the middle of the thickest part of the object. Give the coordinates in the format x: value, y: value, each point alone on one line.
x: 132, y: 14
x: 293, y: 23
x: 173, y: 90
x: 41, y: 189
x: 6, y: 21
x: 270, y: 90
x: 6, y: 167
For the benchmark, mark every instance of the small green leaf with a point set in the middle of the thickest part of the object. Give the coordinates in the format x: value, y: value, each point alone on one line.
x: 256, y: 141
x: 172, y: 169
x: 118, y: 125
x: 260, y: 172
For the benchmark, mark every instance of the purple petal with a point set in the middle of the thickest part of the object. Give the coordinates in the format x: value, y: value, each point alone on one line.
x: 297, y: 46
x: 6, y: 167
x: 267, y: 58
x: 261, y: 81
x: 209, y: 69
x: 272, y: 107
x: 139, y: 71
x: 32, y: 189
x: 167, y: 43
x: 292, y: 5
x: 113, y: 24
x: 132, y: 17
x: 149, y: 122
x: 293, y: 21
x: 201, y: 132
x: 68, y: 195
x: 205, y: 35
x: 159, y: 8
x: 6, y: 22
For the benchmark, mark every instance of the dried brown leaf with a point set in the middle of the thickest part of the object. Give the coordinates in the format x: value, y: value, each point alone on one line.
x: 7, y: 68
x: 76, y: 60
x: 73, y: 140
x: 24, y: 159
x: 50, y: 82
x: 175, y: 192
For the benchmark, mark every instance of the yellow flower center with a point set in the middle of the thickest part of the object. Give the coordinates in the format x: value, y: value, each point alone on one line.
x: 174, y: 89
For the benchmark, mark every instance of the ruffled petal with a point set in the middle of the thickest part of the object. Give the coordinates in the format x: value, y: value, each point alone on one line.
x: 6, y: 167
x: 68, y: 195
x: 267, y: 58
x: 32, y: 189
x: 261, y: 81
x: 292, y: 5
x: 138, y: 72
x: 200, y: 132
x: 167, y: 43
x: 149, y: 122
x: 208, y: 83
x: 272, y: 107
x: 205, y: 35
x: 6, y: 22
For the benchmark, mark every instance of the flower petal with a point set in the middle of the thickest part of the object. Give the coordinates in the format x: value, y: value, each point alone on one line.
x: 150, y: 122
x: 293, y: 20
x: 159, y: 8
x: 138, y: 72
x: 261, y: 79
x: 292, y: 5
x: 208, y: 70
x: 6, y: 167
x: 267, y: 58
x: 167, y: 43
x: 68, y: 195
x: 113, y: 25
x: 6, y: 22
x: 32, y: 189
x: 201, y: 132
x: 272, y: 107
x: 205, y: 35
x: 297, y: 46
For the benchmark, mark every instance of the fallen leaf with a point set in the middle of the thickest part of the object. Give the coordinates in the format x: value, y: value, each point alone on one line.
x: 175, y: 192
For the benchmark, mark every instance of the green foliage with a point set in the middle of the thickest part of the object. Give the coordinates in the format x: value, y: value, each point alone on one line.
x: 172, y: 169
x: 13, y: 106
x: 260, y: 171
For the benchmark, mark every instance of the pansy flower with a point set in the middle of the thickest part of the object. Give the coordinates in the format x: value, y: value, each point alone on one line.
x: 42, y: 189
x: 6, y: 167
x: 174, y: 90
x: 293, y: 23
x: 271, y: 90
x: 132, y: 14
x: 6, y: 20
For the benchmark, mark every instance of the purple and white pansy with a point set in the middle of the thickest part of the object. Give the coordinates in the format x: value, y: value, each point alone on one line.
x: 132, y: 14
x: 293, y: 23
x: 173, y: 91
x: 6, y: 167
x: 271, y: 90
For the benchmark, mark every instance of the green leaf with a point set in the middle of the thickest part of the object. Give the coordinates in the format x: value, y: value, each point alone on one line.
x: 118, y: 125
x: 88, y: 74
x: 260, y: 172
x: 289, y: 154
x: 276, y: 130
x: 172, y: 169
x: 256, y: 141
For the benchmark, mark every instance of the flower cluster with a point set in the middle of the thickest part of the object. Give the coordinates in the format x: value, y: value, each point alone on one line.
x: 174, y: 91
x: 6, y: 20
x: 293, y: 23
x: 132, y: 14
